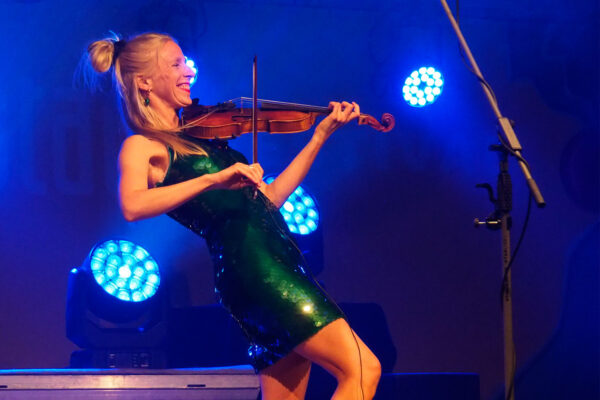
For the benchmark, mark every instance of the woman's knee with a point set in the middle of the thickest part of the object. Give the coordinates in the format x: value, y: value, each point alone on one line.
x: 366, y: 368
x: 342, y: 353
x: 371, y: 372
x: 365, y: 375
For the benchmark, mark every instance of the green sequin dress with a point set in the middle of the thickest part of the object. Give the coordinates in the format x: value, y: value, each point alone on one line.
x: 260, y: 274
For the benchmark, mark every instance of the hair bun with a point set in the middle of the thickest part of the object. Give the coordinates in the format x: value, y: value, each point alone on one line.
x: 101, y: 54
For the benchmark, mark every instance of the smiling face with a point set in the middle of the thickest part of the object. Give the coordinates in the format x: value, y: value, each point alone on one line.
x: 171, y: 82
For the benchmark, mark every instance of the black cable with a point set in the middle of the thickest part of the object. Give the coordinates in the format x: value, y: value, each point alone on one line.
x: 457, y: 14
x: 462, y: 57
x: 285, y: 233
x: 505, y: 145
x: 508, y: 148
x: 511, y: 151
x: 489, y: 88
x: 308, y: 271
x: 515, y: 251
x: 362, y: 393
x: 511, y: 387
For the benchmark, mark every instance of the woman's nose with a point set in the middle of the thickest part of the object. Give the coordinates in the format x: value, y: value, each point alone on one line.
x: 189, y: 72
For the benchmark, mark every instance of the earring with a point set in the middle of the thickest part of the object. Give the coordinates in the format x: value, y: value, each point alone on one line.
x: 147, y: 98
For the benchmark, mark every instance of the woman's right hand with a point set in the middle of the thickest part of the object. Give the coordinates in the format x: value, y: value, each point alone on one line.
x: 239, y: 175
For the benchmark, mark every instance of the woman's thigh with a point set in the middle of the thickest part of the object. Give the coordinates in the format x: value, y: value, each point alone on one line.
x: 287, y: 379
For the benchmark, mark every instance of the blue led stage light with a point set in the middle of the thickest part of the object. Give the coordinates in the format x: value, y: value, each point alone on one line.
x: 125, y: 270
x: 300, y: 211
x: 423, y: 87
x: 190, y: 63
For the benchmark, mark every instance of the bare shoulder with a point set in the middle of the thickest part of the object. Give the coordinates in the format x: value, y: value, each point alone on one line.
x: 138, y: 147
x: 136, y: 142
x: 135, y: 153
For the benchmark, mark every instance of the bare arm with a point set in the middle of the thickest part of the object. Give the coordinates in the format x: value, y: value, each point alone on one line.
x: 280, y: 189
x: 138, y: 201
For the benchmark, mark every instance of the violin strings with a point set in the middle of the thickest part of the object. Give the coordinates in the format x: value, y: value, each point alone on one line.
x: 299, y: 107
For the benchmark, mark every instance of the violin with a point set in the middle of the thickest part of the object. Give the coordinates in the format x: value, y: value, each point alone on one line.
x: 234, y: 117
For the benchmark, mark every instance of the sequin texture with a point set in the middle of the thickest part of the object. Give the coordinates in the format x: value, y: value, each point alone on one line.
x: 260, y: 275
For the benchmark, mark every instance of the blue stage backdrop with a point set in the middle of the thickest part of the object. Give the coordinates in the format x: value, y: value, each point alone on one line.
x: 397, y: 208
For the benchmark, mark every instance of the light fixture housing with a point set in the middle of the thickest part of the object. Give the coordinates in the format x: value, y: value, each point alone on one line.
x: 102, y: 323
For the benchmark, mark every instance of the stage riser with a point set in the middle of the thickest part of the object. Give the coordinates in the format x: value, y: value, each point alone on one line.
x: 226, y: 383
x: 130, y: 382
x: 129, y: 394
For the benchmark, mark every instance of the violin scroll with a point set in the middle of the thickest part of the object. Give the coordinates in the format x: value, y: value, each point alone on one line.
x: 387, y: 122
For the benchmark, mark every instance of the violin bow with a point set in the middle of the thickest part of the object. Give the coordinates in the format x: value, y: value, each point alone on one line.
x: 254, y: 109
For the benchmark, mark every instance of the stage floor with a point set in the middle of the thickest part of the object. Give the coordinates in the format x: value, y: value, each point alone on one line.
x: 225, y: 383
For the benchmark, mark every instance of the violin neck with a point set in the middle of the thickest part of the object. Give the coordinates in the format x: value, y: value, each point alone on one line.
x: 246, y: 102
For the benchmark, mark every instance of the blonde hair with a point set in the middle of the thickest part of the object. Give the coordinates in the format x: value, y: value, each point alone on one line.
x: 136, y: 56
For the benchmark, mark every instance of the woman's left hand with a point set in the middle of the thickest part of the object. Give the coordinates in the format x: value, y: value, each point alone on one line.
x: 341, y: 114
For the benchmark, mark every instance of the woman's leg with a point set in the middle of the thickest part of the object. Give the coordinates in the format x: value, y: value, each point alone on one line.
x: 339, y: 350
x: 286, y: 379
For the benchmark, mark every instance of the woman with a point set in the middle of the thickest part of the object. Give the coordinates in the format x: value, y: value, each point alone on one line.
x: 260, y: 275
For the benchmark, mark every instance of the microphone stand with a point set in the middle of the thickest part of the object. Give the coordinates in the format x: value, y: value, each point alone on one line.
x: 500, y: 218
